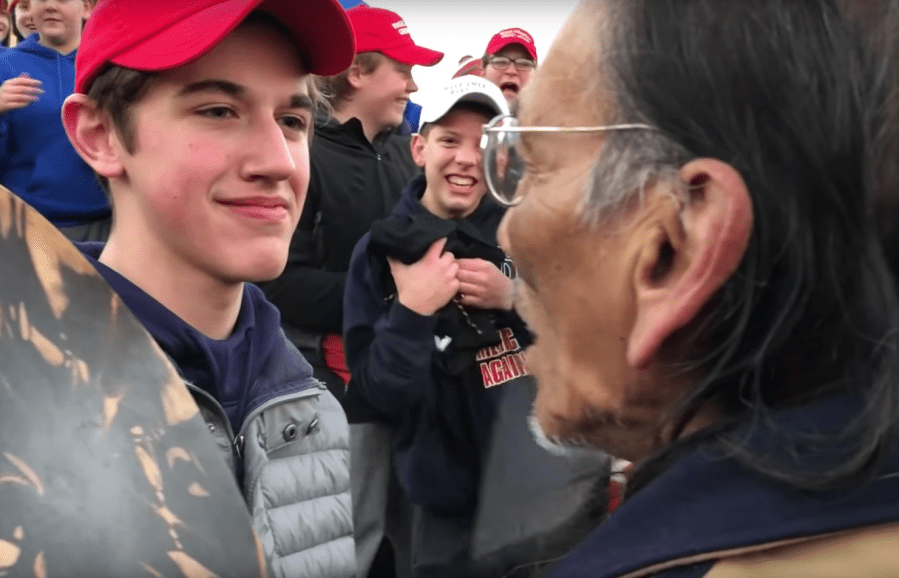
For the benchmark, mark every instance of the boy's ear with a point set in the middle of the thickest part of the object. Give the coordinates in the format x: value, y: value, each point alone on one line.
x: 91, y: 133
x: 418, y: 149
x: 354, y: 76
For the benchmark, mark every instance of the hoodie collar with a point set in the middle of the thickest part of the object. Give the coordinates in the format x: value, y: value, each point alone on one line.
x: 32, y: 46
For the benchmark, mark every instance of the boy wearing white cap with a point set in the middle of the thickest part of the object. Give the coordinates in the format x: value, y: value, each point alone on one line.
x: 429, y: 327
x: 197, y: 117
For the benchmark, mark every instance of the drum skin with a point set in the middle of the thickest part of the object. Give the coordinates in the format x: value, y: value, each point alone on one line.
x: 106, y: 466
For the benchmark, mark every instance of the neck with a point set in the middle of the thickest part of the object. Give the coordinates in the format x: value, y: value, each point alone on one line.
x: 63, y: 48
x: 209, y: 305
x: 369, y: 128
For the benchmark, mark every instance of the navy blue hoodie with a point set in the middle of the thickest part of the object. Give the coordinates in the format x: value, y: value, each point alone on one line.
x: 444, y: 421
x: 37, y: 161
x: 228, y: 369
x: 705, y: 503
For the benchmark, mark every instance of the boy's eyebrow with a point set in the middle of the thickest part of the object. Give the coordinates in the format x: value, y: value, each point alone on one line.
x: 299, y: 100
x: 226, y: 86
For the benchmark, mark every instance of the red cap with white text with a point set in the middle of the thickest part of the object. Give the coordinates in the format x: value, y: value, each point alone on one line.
x: 164, y: 34
x: 509, y: 36
x: 379, y: 30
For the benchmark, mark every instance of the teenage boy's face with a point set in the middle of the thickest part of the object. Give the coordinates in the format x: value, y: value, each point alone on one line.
x: 450, y: 154
x: 24, y: 21
x: 220, y: 166
x: 510, y: 80
x: 59, y: 21
x: 385, y: 91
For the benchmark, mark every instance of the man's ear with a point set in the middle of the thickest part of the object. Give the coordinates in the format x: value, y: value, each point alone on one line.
x: 692, y: 252
x: 90, y: 131
x: 417, y: 146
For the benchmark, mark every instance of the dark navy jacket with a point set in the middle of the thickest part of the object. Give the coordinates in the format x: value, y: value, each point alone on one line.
x: 706, y: 505
x: 443, y: 423
x: 230, y: 369
x: 37, y: 161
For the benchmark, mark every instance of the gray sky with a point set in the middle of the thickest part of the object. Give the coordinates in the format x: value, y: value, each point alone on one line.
x: 460, y: 27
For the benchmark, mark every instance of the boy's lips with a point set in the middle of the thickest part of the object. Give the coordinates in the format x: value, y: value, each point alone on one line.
x: 259, y: 207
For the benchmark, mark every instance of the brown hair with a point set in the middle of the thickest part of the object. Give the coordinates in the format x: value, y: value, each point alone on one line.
x: 337, y: 89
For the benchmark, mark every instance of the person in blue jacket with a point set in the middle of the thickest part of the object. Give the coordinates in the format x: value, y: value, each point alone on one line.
x: 37, y: 162
x: 204, y: 145
x: 699, y: 262
x: 429, y: 328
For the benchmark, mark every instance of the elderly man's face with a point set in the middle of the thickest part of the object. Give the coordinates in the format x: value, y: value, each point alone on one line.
x: 576, y: 280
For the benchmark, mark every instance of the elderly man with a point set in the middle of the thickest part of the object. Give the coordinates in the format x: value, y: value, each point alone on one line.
x: 708, y: 295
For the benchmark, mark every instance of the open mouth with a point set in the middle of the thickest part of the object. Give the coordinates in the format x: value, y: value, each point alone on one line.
x: 462, y: 184
x: 511, y: 86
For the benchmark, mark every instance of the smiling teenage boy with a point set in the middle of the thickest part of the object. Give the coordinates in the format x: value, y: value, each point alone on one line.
x: 429, y: 329
x: 198, y: 117
x: 36, y: 160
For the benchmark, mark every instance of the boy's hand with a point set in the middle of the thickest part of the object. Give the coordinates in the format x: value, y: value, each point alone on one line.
x: 19, y: 92
x: 428, y: 284
x: 483, y: 285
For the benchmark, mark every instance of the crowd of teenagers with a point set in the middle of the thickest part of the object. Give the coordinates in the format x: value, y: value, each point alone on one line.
x: 629, y: 311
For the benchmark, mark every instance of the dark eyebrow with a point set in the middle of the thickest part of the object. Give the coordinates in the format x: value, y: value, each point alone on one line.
x: 232, y: 89
x: 301, y: 101
x: 226, y: 86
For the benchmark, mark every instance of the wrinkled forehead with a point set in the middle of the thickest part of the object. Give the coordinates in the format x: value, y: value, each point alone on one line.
x: 566, y: 89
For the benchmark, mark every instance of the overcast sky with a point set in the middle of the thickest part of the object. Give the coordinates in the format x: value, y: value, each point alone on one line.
x: 460, y: 27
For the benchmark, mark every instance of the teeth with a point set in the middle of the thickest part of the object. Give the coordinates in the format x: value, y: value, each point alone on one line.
x: 461, y: 181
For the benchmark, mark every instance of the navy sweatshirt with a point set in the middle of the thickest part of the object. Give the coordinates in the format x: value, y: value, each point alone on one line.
x: 443, y: 416
x: 228, y: 369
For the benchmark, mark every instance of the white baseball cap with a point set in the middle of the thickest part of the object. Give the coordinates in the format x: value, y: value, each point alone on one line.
x: 463, y: 89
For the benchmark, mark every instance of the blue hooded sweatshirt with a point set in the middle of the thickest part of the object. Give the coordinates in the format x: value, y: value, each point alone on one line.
x: 37, y: 161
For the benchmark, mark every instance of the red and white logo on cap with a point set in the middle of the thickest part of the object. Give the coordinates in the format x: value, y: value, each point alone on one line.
x: 517, y: 33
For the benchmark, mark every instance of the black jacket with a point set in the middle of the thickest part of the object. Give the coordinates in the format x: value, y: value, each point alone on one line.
x: 352, y: 184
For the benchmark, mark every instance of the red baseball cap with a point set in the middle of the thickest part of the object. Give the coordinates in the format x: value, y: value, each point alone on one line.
x: 379, y: 30
x: 469, y: 66
x: 163, y: 34
x: 509, y: 36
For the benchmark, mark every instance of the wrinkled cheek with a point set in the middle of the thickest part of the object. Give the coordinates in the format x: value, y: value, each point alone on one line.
x: 550, y: 403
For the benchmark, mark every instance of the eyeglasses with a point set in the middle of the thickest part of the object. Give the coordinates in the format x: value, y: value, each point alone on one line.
x: 521, y: 64
x: 503, y: 165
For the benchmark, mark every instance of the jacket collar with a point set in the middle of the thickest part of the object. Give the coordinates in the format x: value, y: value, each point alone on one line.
x: 707, y: 503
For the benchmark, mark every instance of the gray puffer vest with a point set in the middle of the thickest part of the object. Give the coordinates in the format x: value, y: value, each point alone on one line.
x: 294, y: 454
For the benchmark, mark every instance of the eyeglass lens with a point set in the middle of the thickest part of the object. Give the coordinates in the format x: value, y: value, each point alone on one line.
x: 521, y: 64
x: 503, y: 165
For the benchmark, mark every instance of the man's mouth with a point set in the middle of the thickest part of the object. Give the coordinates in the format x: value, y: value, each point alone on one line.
x: 509, y: 86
